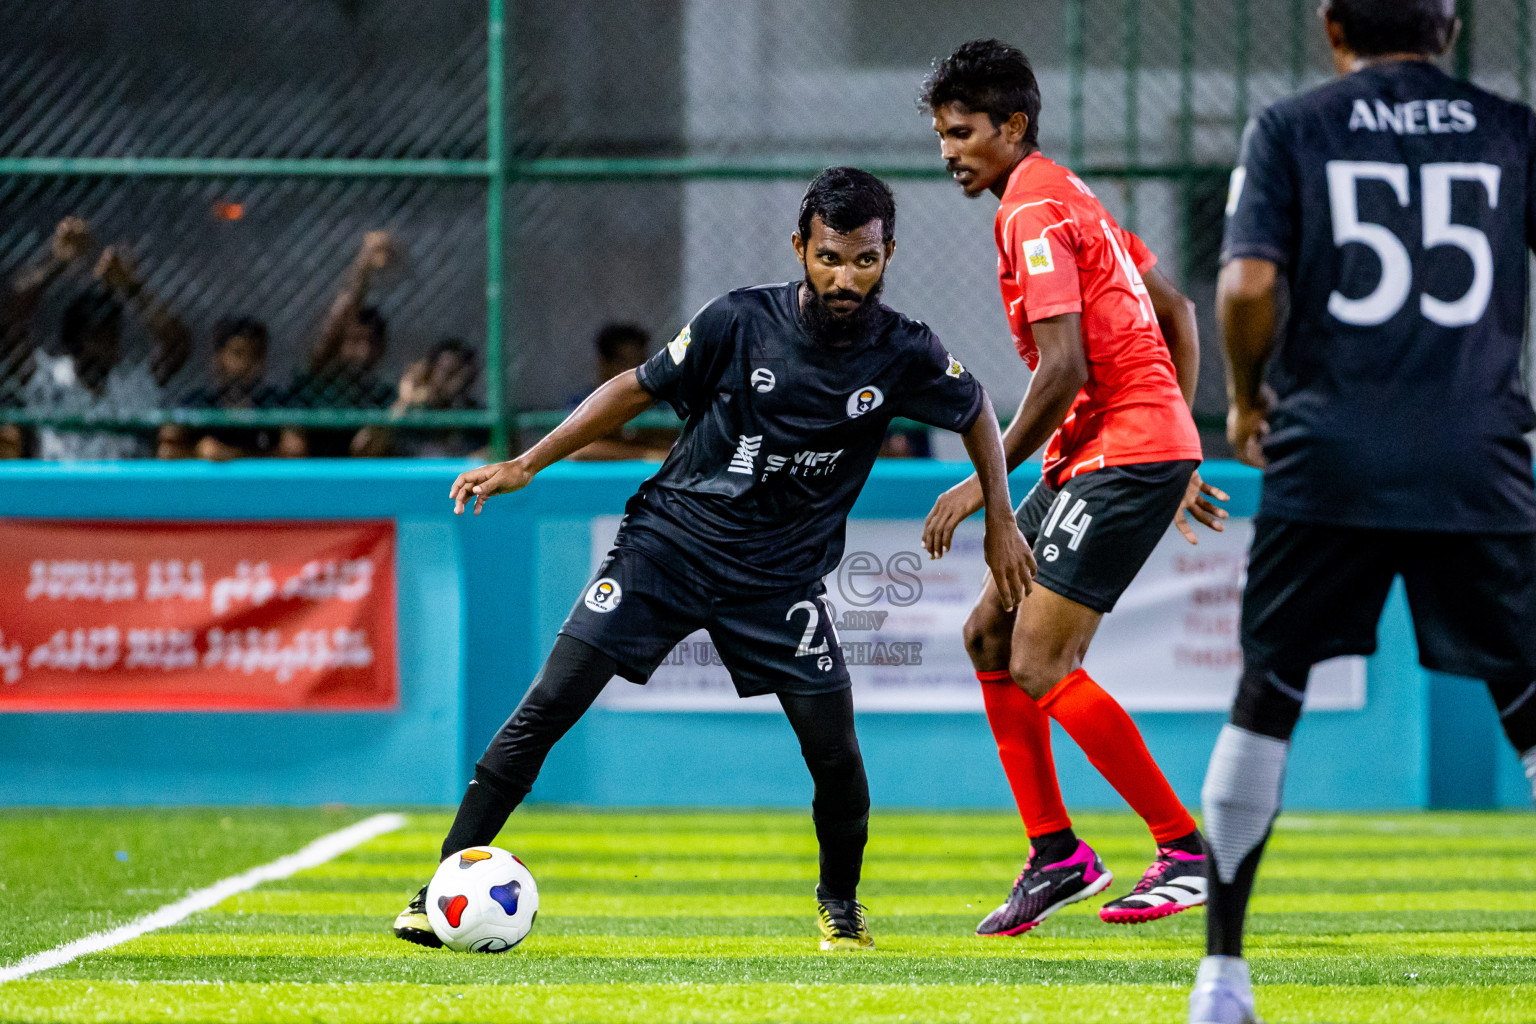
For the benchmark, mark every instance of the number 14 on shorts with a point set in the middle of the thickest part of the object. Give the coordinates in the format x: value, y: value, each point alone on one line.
x: 1071, y: 517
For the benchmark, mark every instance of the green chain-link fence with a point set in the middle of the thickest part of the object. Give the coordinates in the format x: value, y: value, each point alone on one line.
x: 635, y: 159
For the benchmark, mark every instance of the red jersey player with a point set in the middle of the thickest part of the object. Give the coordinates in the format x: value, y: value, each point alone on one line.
x: 1115, y: 354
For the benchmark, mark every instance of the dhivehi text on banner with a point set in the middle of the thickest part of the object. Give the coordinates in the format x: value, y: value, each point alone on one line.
x: 1171, y: 643
x: 226, y: 616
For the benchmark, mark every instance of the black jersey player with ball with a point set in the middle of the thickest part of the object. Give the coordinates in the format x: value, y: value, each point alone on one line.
x: 787, y: 391
x: 1398, y: 206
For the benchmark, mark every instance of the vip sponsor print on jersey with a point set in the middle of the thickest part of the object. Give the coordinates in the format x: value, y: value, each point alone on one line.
x: 804, y: 464
x: 763, y: 380
x: 604, y: 595
x: 955, y: 369
x: 864, y: 400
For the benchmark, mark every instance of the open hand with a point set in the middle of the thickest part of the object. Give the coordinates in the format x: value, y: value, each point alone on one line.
x: 115, y: 269
x: 485, y: 481
x: 954, y: 506
x: 379, y: 250
x: 1197, y: 503
x: 71, y: 239
x: 1012, y: 563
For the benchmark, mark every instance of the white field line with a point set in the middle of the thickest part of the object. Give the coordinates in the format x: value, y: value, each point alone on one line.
x: 316, y: 853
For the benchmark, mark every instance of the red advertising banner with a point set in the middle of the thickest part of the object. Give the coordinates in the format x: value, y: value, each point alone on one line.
x: 196, y: 616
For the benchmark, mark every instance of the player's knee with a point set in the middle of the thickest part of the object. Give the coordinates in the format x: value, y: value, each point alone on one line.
x: 986, y: 639
x: 1036, y: 674
x: 1269, y: 700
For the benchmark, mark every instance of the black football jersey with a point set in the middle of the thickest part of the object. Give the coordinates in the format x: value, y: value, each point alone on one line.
x: 1400, y: 204
x: 781, y: 432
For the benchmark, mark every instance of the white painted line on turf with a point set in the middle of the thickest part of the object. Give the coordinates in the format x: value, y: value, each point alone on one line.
x: 325, y: 848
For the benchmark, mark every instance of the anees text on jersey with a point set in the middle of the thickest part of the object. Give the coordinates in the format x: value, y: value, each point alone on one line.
x: 1416, y: 117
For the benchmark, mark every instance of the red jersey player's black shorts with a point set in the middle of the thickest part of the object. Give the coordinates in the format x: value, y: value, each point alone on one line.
x: 1315, y: 591
x: 1092, y: 535
x: 636, y: 610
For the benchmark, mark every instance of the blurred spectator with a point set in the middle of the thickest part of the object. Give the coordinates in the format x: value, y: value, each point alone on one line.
x: 18, y: 309
x: 238, y: 371
x: 622, y: 347
x: 91, y: 377
x: 443, y: 380
x: 343, y: 366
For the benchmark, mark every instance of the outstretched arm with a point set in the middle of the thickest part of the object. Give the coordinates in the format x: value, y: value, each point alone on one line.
x: 1245, y: 309
x: 377, y: 252
x: 1176, y: 316
x: 1059, y: 375
x: 1007, y: 553
x: 604, y: 411
x: 173, y: 341
x: 71, y: 240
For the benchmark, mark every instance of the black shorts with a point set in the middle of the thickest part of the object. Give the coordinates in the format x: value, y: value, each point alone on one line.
x: 635, y: 611
x: 1093, y: 535
x: 1316, y: 591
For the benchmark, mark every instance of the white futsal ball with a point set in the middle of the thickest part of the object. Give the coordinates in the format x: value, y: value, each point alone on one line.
x: 482, y: 900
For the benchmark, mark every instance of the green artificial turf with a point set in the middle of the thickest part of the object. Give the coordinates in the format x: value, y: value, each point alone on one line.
x: 709, y: 917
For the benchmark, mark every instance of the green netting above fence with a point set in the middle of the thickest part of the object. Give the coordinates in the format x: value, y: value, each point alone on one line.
x: 556, y: 165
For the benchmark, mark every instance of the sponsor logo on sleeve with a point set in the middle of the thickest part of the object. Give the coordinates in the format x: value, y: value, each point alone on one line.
x: 955, y: 369
x: 864, y: 400
x: 678, y: 346
x: 1037, y: 256
x: 603, y: 596
x: 763, y: 380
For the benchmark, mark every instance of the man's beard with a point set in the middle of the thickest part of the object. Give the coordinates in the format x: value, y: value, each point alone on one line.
x: 830, y: 329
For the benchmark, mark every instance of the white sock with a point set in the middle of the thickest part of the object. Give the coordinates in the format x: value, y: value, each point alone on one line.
x: 1241, y: 796
x: 1528, y: 760
x: 1228, y: 970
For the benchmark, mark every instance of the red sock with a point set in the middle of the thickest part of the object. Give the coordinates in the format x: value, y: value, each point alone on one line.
x: 1099, y: 725
x: 1023, y: 735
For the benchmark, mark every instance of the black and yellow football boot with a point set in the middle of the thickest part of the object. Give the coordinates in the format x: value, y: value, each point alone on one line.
x: 413, y: 926
x: 842, y: 925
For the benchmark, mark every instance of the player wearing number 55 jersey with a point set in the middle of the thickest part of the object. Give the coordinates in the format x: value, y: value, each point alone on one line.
x: 788, y: 391
x: 1397, y: 204
x: 1114, y: 352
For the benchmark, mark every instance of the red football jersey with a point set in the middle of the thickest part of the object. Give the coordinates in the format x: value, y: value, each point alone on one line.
x: 1059, y: 251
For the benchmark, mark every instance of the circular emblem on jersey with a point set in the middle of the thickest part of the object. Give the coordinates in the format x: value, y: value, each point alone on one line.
x: 763, y: 380
x: 863, y: 400
x: 1051, y: 553
x: 824, y: 663
x: 603, y: 596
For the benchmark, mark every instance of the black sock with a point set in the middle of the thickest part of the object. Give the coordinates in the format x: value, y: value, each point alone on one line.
x: 1053, y: 846
x: 1228, y: 904
x: 842, y: 858
x: 1191, y: 843
x: 572, y: 677
x: 487, y: 804
x: 823, y: 723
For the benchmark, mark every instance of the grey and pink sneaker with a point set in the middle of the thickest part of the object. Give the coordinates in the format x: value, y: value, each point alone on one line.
x: 1043, y: 889
x: 1175, y: 882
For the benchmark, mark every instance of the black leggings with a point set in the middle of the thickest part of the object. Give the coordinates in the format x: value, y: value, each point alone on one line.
x: 566, y: 687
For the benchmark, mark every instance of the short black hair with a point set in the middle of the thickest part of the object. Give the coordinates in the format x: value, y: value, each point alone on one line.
x: 458, y: 346
x: 241, y: 327
x: 846, y: 198
x: 987, y: 76
x: 1374, y: 27
x: 612, y: 337
x: 93, y: 311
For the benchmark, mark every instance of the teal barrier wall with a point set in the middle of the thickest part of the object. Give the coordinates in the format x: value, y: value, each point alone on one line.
x: 480, y: 600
